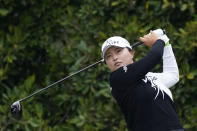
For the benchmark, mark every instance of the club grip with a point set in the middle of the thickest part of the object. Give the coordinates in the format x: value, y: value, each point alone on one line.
x: 137, y: 44
x: 157, y: 31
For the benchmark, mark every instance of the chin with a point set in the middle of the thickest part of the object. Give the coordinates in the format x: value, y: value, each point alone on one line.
x: 117, y: 67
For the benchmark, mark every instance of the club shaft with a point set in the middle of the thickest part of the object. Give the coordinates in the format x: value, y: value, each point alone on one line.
x: 45, y: 88
x: 137, y: 44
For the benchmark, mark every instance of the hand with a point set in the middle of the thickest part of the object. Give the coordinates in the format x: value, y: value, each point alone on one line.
x: 149, y: 39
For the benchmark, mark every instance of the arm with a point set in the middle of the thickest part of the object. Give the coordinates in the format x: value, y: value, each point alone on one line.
x: 170, y: 74
x: 170, y: 67
x: 139, y: 69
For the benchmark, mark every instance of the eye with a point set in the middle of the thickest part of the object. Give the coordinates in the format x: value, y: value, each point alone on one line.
x: 108, y: 56
x: 119, y: 50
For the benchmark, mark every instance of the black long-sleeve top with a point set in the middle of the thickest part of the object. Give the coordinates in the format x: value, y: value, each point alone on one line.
x: 136, y: 96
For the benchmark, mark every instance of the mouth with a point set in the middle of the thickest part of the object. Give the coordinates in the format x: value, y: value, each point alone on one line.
x: 117, y: 64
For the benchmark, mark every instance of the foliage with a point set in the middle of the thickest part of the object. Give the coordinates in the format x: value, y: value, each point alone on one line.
x: 42, y: 41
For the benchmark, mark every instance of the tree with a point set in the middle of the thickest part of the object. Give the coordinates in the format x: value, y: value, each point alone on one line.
x: 45, y: 40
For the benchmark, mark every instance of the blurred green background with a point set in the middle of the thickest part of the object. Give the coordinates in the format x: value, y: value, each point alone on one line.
x: 42, y: 41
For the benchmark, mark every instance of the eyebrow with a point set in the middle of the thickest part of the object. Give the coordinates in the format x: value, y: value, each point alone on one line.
x: 107, y: 53
x: 115, y: 48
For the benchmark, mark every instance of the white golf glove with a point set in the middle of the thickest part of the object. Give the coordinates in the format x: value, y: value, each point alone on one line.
x: 161, y: 35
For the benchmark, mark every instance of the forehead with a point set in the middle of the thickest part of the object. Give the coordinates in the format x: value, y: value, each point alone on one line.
x: 113, y: 48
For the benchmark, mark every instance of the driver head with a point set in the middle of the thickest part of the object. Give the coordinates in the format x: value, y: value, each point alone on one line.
x: 16, y: 110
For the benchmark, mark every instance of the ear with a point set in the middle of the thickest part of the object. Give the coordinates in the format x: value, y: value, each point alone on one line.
x: 132, y: 53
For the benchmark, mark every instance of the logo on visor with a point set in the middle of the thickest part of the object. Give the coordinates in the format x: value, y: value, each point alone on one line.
x: 111, y: 42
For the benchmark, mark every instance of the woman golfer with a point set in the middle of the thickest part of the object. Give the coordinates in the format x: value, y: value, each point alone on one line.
x: 143, y: 96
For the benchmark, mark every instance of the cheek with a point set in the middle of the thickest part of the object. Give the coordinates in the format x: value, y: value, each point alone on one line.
x: 109, y: 64
x: 127, y: 58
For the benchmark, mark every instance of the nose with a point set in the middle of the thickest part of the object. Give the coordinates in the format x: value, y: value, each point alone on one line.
x: 115, y: 57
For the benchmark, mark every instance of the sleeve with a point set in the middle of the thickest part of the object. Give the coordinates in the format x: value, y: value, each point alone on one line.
x: 170, y: 74
x: 139, y: 69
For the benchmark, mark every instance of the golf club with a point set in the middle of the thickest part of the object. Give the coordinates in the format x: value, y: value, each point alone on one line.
x: 16, y: 108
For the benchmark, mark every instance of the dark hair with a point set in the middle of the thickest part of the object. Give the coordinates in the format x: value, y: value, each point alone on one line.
x: 129, y: 48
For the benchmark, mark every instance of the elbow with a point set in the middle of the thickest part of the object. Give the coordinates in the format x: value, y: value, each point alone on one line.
x: 173, y: 74
x: 173, y: 79
x: 176, y: 77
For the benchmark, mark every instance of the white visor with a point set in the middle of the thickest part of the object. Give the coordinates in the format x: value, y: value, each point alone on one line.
x: 114, y: 41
